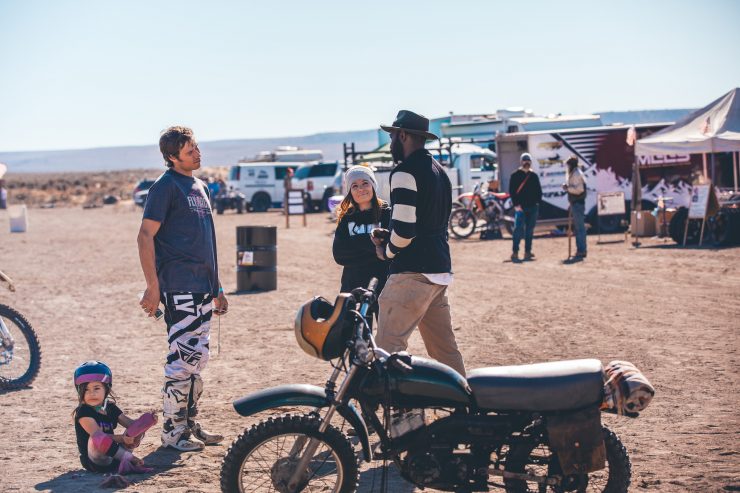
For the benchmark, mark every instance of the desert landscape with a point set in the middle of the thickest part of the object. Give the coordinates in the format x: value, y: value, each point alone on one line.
x: 674, y: 312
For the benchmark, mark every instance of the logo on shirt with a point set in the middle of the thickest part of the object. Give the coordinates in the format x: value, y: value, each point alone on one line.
x: 198, y: 203
x: 361, y: 229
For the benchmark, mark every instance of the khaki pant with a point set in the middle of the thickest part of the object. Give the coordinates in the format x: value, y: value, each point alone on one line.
x: 408, y: 300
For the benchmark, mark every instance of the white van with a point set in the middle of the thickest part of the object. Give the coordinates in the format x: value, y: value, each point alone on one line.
x: 261, y: 183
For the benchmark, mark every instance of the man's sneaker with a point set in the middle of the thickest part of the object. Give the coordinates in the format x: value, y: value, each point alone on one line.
x: 528, y: 256
x: 515, y: 257
x: 179, y: 438
x: 204, y: 436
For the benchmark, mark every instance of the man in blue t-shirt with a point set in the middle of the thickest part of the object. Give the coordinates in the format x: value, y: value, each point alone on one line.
x: 177, y: 250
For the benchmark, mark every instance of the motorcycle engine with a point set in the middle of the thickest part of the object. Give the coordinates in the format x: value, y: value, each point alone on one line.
x: 492, y: 206
x: 436, y: 468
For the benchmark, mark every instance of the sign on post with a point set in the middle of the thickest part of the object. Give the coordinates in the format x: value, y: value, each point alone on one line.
x: 699, y: 201
x: 295, y: 204
x: 703, y: 202
x: 609, y: 204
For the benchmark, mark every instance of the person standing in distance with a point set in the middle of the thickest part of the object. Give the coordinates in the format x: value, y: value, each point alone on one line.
x: 575, y: 185
x: 177, y: 250
x: 526, y: 194
x: 421, y: 269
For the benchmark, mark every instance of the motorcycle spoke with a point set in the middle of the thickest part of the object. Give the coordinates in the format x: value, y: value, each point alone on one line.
x: 323, y: 473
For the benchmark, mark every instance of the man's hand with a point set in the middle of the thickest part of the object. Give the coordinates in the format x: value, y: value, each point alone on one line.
x: 220, y: 305
x: 380, y: 236
x: 150, y: 301
x: 518, y: 208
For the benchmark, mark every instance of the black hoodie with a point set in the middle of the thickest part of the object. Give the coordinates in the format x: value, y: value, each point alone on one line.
x: 355, y: 251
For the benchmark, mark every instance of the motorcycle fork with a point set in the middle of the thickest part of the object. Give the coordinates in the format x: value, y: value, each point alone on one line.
x: 5, y: 338
x: 329, y: 388
x: 313, y: 443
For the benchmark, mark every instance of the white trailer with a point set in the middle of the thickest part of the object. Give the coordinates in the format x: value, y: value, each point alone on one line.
x: 606, y: 158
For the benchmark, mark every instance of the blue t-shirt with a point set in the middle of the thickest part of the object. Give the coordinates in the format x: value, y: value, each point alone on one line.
x: 185, y: 245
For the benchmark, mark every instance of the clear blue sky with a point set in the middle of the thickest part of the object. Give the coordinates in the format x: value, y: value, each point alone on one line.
x: 76, y: 74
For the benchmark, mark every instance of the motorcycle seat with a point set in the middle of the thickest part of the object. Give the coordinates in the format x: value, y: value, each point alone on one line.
x: 501, y: 195
x: 555, y: 386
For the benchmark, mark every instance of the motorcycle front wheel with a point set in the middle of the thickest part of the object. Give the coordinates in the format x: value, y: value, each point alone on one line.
x: 538, y: 460
x: 20, y: 354
x: 462, y: 223
x: 264, y: 458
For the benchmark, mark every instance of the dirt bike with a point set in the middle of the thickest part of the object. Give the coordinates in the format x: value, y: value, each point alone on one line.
x: 519, y: 428
x: 20, y: 354
x: 481, y: 208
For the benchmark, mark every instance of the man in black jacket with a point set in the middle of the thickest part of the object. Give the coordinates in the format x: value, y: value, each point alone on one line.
x: 416, y: 291
x: 526, y: 194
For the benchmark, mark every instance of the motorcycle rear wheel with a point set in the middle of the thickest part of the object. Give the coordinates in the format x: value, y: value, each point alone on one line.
x: 20, y: 364
x: 534, y: 458
x: 462, y: 223
x: 259, y: 459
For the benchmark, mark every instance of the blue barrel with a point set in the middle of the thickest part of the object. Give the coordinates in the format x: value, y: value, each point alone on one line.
x: 256, y: 258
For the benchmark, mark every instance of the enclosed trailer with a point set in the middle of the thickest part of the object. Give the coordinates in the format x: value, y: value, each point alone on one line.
x: 606, y: 159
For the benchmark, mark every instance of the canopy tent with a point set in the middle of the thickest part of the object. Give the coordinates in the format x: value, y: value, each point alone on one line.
x: 714, y: 128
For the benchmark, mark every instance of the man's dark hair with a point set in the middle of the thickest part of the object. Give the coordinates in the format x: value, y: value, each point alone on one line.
x: 572, y: 161
x: 172, y: 141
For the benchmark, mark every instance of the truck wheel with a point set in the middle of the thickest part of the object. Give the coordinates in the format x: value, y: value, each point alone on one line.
x: 261, y: 202
x: 677, y: 228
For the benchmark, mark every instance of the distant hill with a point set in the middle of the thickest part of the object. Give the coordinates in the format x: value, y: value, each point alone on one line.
x: 226, y: 152
x: 215, y: 153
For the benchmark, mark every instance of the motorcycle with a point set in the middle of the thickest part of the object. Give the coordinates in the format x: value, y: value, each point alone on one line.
x: 519, y: 428
x: 480, y: 208
x: 20, y: 354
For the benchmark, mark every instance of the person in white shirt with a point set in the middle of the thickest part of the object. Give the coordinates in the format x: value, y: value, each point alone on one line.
x: 575, y: 186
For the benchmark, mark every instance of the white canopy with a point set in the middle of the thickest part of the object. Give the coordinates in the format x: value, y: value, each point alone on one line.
x: 714, y: 128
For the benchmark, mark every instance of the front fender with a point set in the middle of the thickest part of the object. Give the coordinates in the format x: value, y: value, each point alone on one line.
x: 303, y: 395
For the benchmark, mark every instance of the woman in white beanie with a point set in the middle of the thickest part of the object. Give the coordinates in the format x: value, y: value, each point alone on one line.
x: 358, y: 215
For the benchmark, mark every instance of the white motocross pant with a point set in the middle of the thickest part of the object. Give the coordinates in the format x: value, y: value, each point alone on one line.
x: 188, y: 319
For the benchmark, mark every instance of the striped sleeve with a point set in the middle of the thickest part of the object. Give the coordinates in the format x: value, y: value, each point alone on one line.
x: 403, y: 216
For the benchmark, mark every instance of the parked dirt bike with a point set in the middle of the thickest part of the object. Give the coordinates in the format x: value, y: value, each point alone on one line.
x: 520, y: 428
x: 481, y: 208
x: 20, y: 355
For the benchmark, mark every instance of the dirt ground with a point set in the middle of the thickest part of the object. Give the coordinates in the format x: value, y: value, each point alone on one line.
x: 673, y: 312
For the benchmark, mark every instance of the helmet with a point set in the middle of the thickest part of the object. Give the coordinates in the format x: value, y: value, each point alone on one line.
x: 93, y: 371
x: 322, y: 329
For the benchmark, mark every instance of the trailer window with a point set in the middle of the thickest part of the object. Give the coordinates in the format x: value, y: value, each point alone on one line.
x: 302, y: 172
x: 280, y: 172
x: 319, y: 170
x: 234, y: 173
x: 482, y: 163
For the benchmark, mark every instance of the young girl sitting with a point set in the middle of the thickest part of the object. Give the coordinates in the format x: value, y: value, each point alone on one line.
x: 96, y: 418
x: 358, y: 215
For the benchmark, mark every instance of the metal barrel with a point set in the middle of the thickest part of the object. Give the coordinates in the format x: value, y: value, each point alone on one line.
x: 256, y: 258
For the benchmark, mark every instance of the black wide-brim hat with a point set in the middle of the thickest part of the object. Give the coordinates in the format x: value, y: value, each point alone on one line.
x: 412, y: 123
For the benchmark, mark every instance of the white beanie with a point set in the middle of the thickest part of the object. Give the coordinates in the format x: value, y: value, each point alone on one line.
x: 360, y: 172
